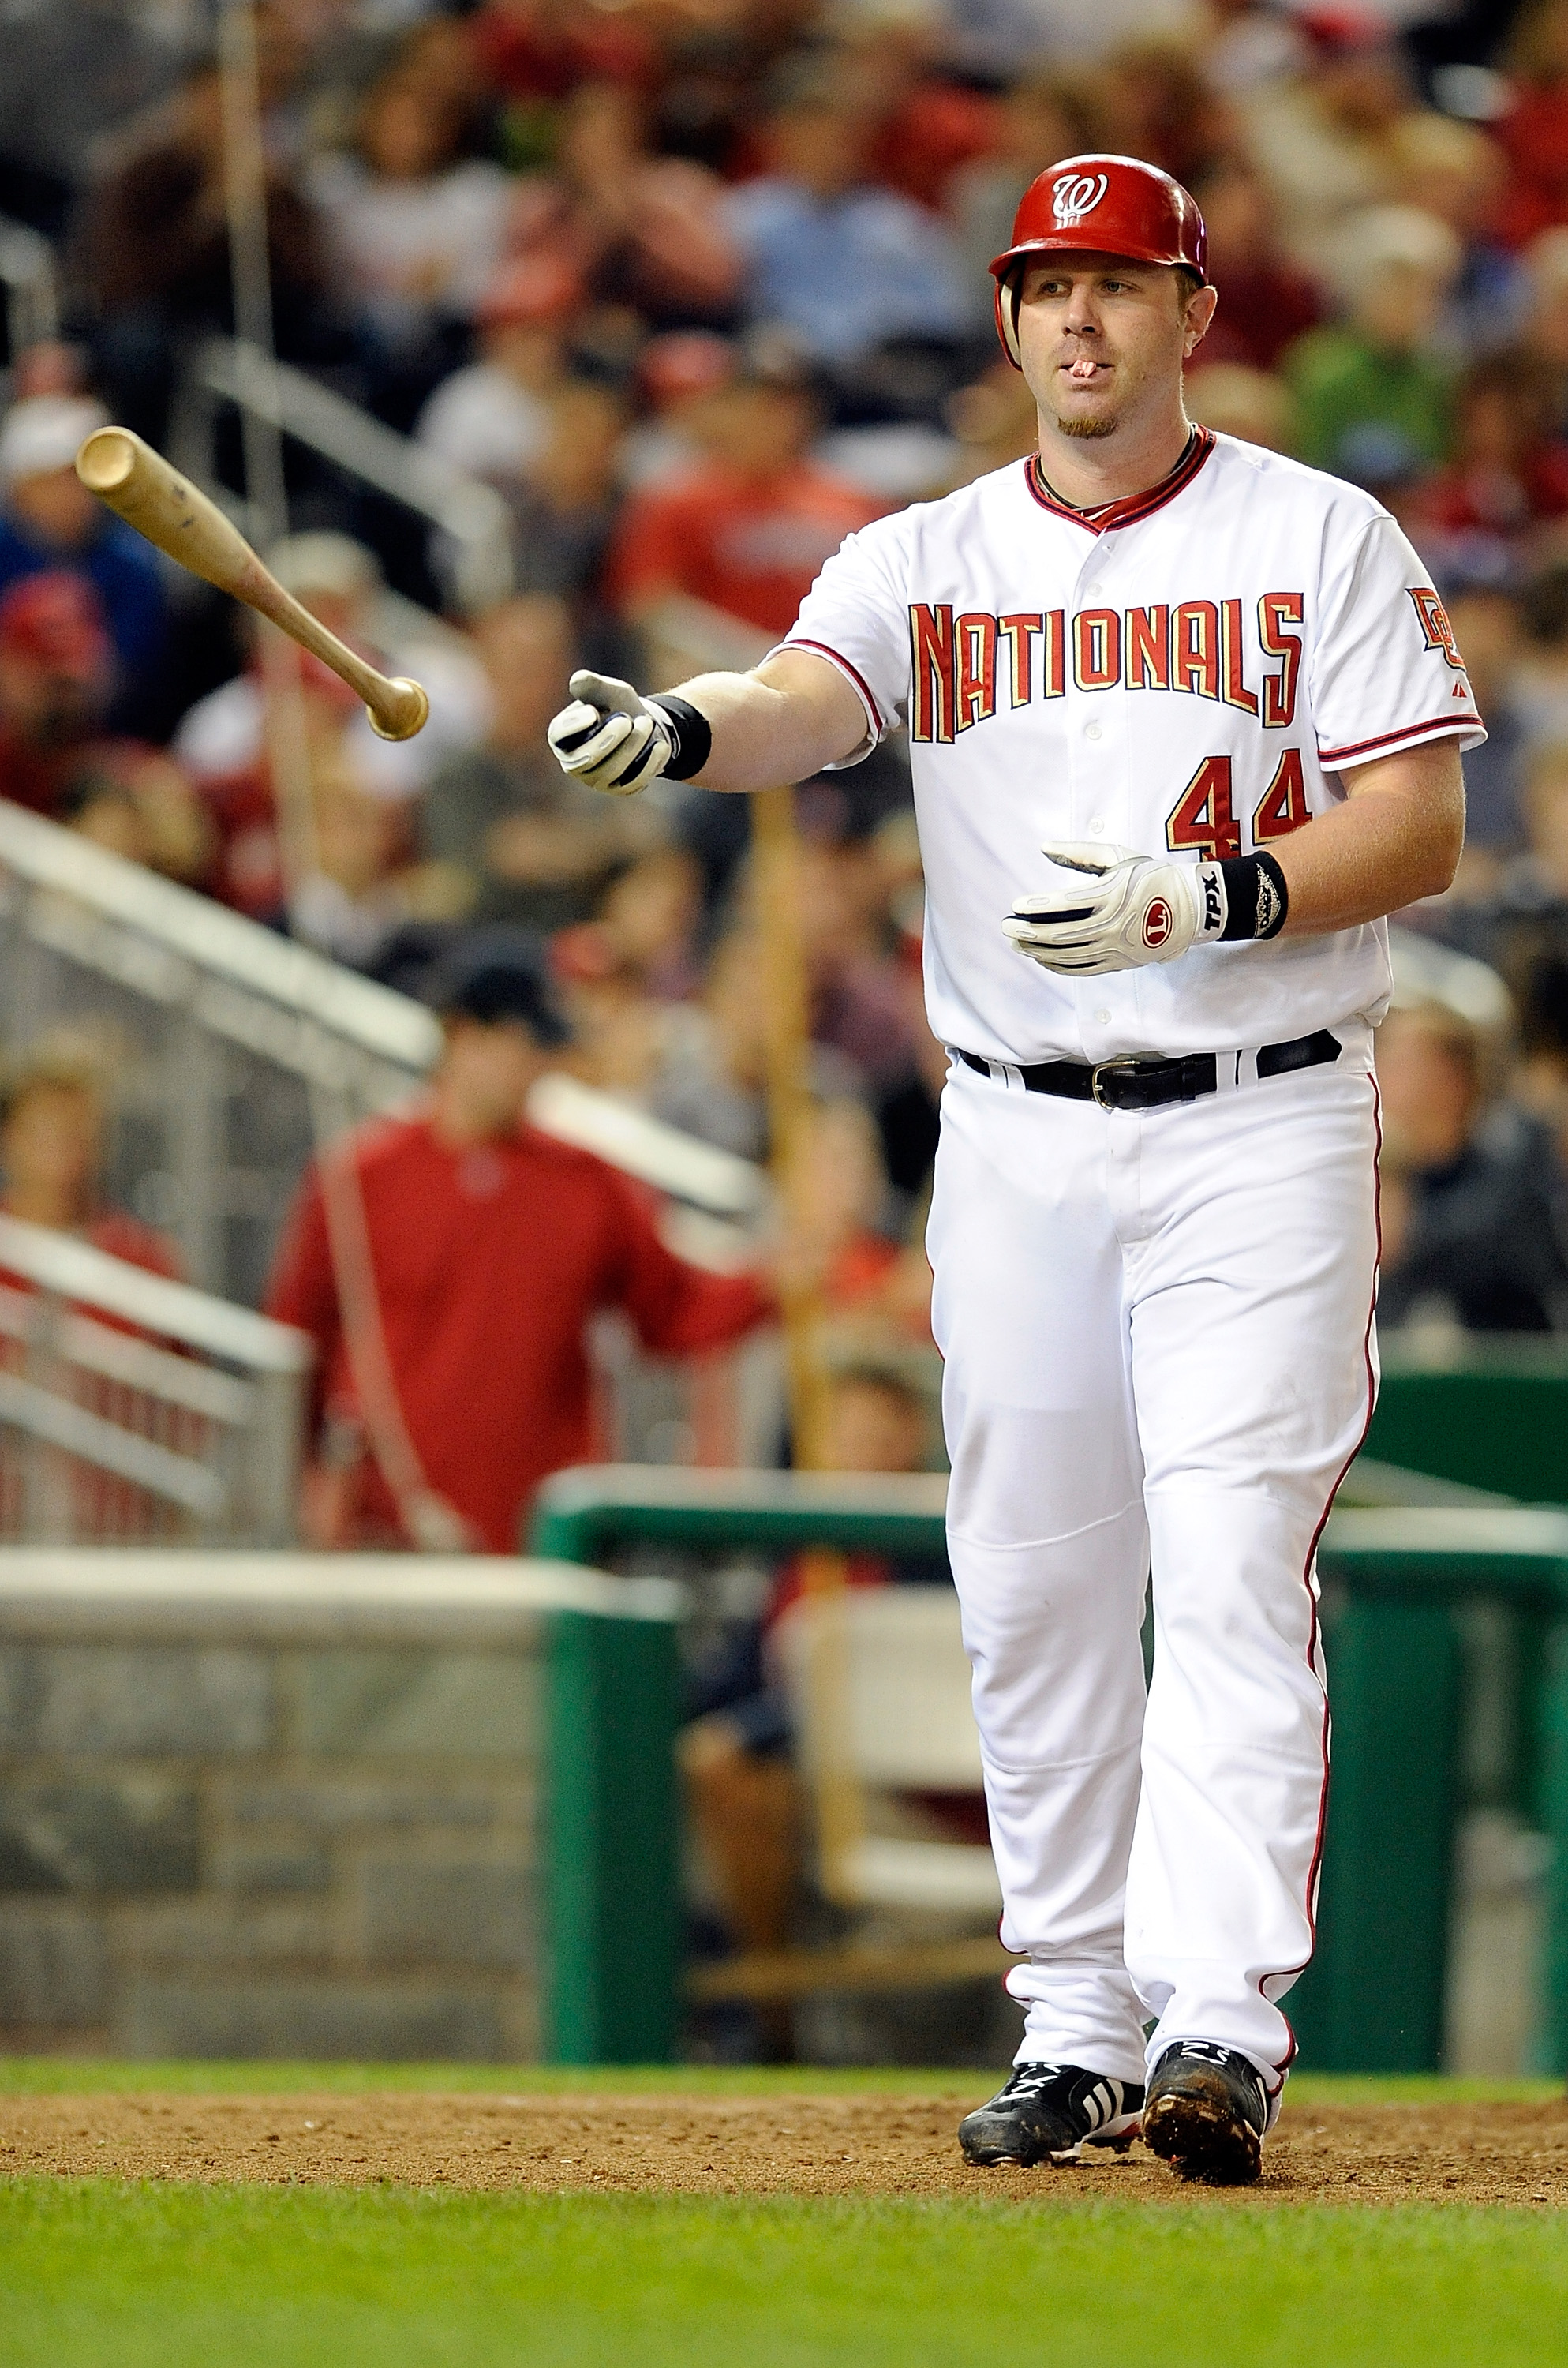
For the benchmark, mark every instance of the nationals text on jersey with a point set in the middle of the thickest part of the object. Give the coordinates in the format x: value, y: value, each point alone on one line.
x: 961, y: 663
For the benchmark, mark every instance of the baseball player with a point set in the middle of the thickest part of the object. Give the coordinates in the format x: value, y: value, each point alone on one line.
x: 1185, y: 722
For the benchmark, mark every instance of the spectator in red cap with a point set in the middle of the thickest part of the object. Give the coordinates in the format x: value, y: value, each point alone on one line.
x: 56, y: 679
x: 488, y: 1247
x: 746, y: 530
x: 493, y: 418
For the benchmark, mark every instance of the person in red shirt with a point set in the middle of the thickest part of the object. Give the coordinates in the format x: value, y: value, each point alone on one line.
x: 489, y: 1247
x: 747, y: 529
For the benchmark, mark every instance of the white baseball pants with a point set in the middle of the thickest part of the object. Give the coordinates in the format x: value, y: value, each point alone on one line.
x: 1159, y: 1353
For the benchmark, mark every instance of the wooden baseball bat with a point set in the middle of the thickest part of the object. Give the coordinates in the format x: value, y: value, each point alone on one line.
x: 140, y: 486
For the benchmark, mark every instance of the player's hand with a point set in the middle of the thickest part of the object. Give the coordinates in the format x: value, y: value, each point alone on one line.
x: 609, y: 737
x: 1116, y: 910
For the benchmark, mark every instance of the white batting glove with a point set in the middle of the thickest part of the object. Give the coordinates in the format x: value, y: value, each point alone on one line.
x: 1120, y: 911
x: 609, y: 737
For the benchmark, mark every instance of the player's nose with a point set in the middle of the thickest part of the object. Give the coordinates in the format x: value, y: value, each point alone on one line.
x: 1079, y: 319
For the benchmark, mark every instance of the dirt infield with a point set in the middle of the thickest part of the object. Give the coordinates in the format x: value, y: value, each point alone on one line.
x: 735, y: 2145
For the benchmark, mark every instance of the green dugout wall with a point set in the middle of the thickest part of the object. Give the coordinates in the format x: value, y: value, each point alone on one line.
x: 1394, y: 1580
x: 1495, y: 1417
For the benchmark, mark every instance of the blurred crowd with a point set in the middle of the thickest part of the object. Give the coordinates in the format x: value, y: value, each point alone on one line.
x: 684, y: 292
x: 697, y: 287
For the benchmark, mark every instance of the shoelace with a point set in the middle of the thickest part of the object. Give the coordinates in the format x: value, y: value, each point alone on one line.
x: 1030, y: 2079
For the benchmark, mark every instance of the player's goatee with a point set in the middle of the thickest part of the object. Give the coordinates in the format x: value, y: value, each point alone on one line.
x: 1085, y: 430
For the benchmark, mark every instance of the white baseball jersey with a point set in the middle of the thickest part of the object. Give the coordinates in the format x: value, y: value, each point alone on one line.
x: 1188, y: 669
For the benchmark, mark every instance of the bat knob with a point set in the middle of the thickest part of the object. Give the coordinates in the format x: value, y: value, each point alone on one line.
x: 405, y: 713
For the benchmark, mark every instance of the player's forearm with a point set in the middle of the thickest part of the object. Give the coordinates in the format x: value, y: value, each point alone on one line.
x: 1397, y: 839
x: 782, y: 722
x: 757, y: 741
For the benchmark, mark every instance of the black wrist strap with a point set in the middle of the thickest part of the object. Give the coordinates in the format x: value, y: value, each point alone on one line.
x: 693, y: 736
x: 1256, y: 897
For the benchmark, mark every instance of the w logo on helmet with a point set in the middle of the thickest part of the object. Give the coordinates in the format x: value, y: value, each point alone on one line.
x: 1075, y: 195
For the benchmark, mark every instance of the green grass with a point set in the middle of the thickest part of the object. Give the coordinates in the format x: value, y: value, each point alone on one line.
x: 73, y: 2076
x: 97, y: 2275
x: 87, y: 2076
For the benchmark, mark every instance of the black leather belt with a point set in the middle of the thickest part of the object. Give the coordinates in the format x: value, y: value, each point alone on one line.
x: 1141, y: 1081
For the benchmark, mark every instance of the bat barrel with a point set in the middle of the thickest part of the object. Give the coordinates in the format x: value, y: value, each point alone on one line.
x: 106, y: 459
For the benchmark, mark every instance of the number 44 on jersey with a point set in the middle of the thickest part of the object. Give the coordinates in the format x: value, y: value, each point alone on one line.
x: 1204, y: 817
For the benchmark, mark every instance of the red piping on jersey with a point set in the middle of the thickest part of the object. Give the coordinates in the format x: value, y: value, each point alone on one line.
x: 1132, y: 509
x: 1445, y: 724
x: 1311, y: 1555
x: 837, y: 658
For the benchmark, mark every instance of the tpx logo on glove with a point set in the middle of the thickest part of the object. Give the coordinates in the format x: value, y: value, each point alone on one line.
x: 1157, y: 923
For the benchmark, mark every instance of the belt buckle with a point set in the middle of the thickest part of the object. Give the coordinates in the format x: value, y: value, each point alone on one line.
x: 1125, y: 1064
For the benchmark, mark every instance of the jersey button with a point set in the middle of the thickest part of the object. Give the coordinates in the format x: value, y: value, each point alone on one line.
x: 1096, y: 826
x: 1091, y: 731
x: 1102, y: 1018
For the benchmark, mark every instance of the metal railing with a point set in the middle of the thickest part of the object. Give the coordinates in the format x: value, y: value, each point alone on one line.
x: 470, y: 515
x: 230, y: 1045
x: 134, y: 1409
x: 237, y: 1051
x: 27, y: 276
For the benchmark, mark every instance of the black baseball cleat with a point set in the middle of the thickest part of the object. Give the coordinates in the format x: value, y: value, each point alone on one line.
x: 1206, y: 2113
x: 1047, y: 2112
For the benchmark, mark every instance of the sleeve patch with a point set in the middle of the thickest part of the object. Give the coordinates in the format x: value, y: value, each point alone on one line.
x: 1435, y: 625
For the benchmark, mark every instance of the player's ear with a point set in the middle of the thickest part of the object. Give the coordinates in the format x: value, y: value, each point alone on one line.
x: 1197, y: 314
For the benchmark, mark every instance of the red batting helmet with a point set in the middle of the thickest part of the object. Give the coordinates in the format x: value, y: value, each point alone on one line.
x: 1110, y: 205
